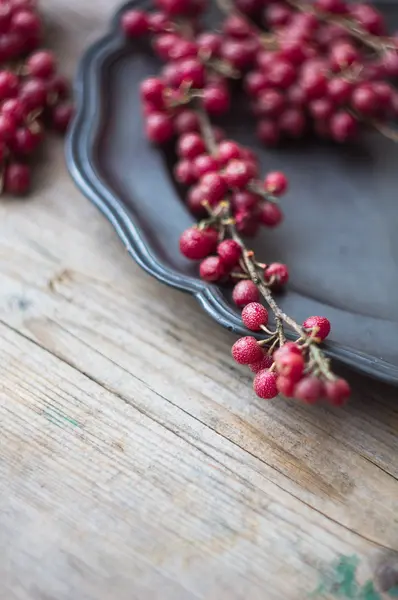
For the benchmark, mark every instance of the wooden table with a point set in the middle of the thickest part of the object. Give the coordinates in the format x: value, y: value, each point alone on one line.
x: 135, y: 463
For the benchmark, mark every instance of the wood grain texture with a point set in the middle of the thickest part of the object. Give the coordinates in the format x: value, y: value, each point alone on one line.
x: 135, y: 462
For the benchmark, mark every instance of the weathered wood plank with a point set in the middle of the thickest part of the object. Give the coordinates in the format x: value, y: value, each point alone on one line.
x: 134, y: 460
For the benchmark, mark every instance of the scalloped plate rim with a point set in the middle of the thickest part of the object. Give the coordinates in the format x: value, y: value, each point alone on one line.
x: 79, y: 158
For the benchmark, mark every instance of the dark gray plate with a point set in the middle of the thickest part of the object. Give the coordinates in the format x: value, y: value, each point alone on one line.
x: 339, y: 237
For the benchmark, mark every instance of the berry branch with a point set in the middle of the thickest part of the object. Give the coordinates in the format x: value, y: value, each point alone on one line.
x: 318, y: 363
x: 301, y: 74
x: 33, y: 96
x: 349, y: 77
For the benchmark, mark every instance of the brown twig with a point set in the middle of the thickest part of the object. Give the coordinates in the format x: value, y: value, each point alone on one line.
x: 251, y: 266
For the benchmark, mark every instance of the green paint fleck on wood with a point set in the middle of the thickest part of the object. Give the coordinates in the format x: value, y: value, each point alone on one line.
x: 341, y: 582
x: 58, y: 418
x: 368, y: 592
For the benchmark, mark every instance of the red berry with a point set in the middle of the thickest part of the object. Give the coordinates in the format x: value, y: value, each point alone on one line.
x: 214, y: 187
x: 195, y: 199
x: 152, y: 91
x: 337, y: 391
x: 184, y: 172
x: 190, y: 145
x: 277, y: 14
x: 296, y: 97
x: 247, y: 223
x: 227, y: 151
x: 216, y: 99
x: 281, y: 74
x: 17, y: 179
x: 244, y: 292
x: 159, y: 128
x: 9, y: 85
x: 264, y: 385
x: 287, y: 348
x: 292, y: 50
x: 247, y: 351
x: 197, y: 243
x: 290, y: 364
x: 3, y: 151
x: 209, y: 44
x: 190, y: 72
x: 292, y: 122
x: 135, y: 23
x: 5, y: 17
x: 212, y: 268
x: 264, y: 59
x: 58, y: 87
x: 26, y: 141
x: 390, y: 63
x: 270, y: 214
x: 276, y: 274
x: 7, y: 128
x: 230, y: 252
x: 318, y: 327
x: 384, y: 93
x: 11, y: 46
x: 174, y: 8
x: 252, y: 168
x: 159, y: 22
x: 183, y: 49
x: 163, y: 44
x: 244, y: 200
x: 203, y: 164
x: 254, y: 315
x: 238, y: 52
x: 276, y: 183
x: 15, y: 109
x: 237, y: 27
x: 343, y: 55
x: 368, y: 17
x: 248, y: 155
x: 365, y: 100
x: 255, y: 83
x: 339, y: 90
x: 285, y: 386
x: 62, y: 115
x: 264, y: 363
x: 309, y: 389
x: 321, y: 109
x: 314, y: 83
x: 343, y: 126
x: 268, y: 132
x: 26, y: 22
x: 41, y: 64
x: 33, y: 94
x: 249, y: 7
x: 23, y: 5
x: 270, y: 103
x: 237, y: 174
x: 331, y: 6
x: 186, y: 122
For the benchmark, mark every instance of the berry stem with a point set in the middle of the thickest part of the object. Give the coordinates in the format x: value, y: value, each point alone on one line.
x: 251, y: 267
x: 377, y: 43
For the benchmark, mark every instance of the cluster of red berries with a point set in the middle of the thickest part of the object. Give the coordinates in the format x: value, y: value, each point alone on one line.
x: 307, y: 73
x: 315, y: 75
x: 220, y: 261
x: 230, y: 168
x: 285, y: 370
x: 224, y: 188
x: 32, y: 94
